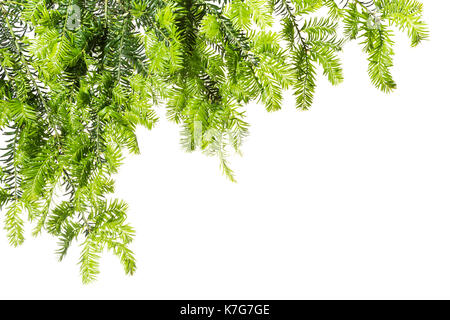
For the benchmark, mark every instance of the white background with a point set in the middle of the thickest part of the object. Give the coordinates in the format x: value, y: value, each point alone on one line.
x: 348, y: 200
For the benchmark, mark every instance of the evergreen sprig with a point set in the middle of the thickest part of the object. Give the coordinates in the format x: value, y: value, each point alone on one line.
x: 78, y: 76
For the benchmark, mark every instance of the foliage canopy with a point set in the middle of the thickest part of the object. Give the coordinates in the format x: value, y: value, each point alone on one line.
x: 78, y: 76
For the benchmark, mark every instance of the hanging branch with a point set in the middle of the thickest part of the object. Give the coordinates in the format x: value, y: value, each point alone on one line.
x: 78, y: 77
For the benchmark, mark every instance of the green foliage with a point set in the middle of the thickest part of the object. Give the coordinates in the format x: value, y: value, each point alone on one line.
x: 78, y: 76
